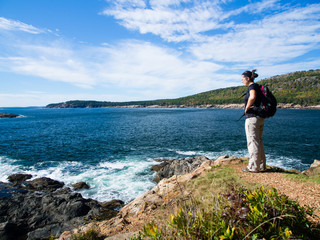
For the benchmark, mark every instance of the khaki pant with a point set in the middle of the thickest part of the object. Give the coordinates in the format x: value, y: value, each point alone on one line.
x: 254, y: 131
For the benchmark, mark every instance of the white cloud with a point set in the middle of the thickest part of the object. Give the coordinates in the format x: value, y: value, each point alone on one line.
x: 180, y: 20
x: 169, y: 19
x: 274, y: 39
x: 41, y: 99
x: 49, y: 62
x: 134, y: 65
x: 277, y: 69
x: 144, y: 65
x: 143, y: 70
x: 12, y: 25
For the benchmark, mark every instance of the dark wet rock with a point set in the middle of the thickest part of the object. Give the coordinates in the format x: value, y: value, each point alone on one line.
x: 113, y: 204
x: 80, y: 185
x: 8, y: 115
x: 39, y: 208
x: 169, y: 168
x: 19, y: 177
x: 157, y: 168
x: 44, y: 184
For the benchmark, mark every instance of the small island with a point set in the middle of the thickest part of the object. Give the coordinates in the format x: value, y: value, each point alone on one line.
x: 9, y: 115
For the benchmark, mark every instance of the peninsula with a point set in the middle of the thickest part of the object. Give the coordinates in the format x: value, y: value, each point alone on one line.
x: 292, y: 90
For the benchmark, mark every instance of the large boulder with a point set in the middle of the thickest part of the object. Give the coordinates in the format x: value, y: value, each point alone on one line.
x: 169, y: 168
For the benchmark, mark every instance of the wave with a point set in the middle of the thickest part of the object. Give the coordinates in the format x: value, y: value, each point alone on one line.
x: 122, y: 179
x: 7, y: 167
x: 210, y: 155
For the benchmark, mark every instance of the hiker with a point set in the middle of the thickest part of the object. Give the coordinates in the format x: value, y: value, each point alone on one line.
x: 253, y: 124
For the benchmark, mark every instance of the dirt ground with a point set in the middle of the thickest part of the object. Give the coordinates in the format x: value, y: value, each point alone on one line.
x: 305, y: 193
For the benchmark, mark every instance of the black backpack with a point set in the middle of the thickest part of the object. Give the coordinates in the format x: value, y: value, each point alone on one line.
x: 268, y: 106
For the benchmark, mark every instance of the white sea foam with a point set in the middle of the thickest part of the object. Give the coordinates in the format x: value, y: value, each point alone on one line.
x: 276, y: 161
x: 188, y: 153
x: 286, y: 162
x: 122, y: 179
x: 210, y: 155
x: 7, y: 167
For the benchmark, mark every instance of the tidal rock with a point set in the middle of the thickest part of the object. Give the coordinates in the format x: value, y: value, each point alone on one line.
x: 19, y: 177
x: 80, y: 185
x: 169, y: 168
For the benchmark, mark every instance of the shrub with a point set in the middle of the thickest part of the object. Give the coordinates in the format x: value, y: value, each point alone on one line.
x: 239, y: 214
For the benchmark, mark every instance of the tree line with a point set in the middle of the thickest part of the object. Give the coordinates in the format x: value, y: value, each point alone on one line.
x: 298, y: 88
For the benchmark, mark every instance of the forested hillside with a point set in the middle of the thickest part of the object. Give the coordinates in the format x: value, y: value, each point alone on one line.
x: 296, y: 88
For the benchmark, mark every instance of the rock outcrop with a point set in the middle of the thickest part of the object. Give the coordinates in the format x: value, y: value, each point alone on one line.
x: 314, y: 169
x: 148, y: 207
x: 168, y: 168
x: 40, y: 208
x: 136, y: 213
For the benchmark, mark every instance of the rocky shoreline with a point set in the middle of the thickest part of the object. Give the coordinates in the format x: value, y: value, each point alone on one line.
x: 40, y: 208
x: 170, y: 174
x: 224, y: 106
x: 209, y: 106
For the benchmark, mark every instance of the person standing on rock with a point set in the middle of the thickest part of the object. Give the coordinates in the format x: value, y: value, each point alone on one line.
x: 253, y: 124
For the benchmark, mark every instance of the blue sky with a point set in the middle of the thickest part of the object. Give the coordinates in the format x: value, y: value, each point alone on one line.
x: 120, y: 50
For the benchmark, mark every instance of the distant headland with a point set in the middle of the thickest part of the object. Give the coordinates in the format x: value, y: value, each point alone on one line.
x: 292, y: 90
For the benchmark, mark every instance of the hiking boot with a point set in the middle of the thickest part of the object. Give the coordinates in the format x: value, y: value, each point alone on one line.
x: 247, y: 170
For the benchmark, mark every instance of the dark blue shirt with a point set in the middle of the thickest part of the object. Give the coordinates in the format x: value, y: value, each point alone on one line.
x: 252, y: 112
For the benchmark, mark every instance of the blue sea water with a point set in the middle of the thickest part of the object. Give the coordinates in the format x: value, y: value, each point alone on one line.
x: 112, y: 149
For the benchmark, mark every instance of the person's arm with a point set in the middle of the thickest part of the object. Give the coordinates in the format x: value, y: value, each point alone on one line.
x: 252, y: 98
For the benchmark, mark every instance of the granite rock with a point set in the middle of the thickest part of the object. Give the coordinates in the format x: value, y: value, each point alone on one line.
x: 169, y: 168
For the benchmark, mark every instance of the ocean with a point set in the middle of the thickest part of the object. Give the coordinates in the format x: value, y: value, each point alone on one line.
x: 112, y: 149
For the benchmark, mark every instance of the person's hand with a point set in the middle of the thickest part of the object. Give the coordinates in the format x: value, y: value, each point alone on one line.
x: 247, y: 109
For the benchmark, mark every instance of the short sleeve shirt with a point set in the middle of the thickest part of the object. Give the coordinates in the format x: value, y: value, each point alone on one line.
x: 257, y: 102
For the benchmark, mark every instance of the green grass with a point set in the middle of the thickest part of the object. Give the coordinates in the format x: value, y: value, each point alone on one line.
x: 303, y: 178
x: 220, y: 205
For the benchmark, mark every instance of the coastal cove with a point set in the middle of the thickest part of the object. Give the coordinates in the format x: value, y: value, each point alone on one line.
x: 112, y: 149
